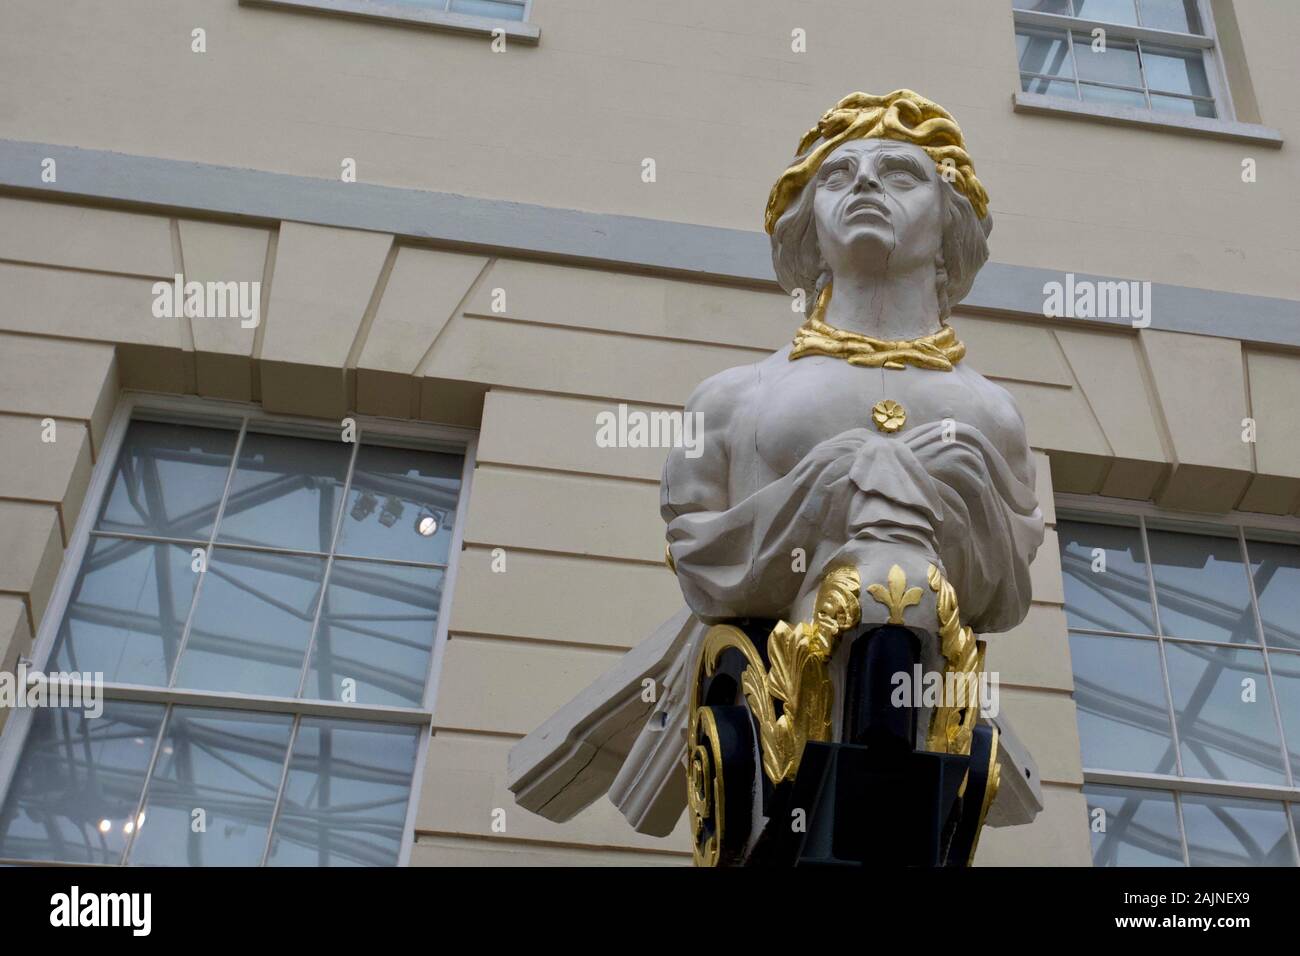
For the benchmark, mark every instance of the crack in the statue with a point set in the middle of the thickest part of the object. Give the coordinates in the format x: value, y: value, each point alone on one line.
x: 577, y: 773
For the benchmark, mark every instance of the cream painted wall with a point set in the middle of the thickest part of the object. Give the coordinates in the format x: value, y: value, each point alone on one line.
x: 711, y: 91
x: 368, y: 322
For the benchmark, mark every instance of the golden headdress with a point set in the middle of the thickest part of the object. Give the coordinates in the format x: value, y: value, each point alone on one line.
x: 901, y: 115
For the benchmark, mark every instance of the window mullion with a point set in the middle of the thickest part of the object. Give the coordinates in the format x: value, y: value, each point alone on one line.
x: 329, y: 566
x: 1216, y: 70
x: 1263, y: 646
x: 1182, y: 827
x: 1290, y: 829
x: 1121, y: 31
x: 279, y: 790
x: 144, y: 791
x: 1142, y: 72
x: 1074, y: 64
x: 1160, y: 641
x: 207, y: 551
x: 265, y: 549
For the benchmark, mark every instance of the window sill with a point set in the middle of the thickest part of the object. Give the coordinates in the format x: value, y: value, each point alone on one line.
x: 389, y: 11
x: 1146, y: 119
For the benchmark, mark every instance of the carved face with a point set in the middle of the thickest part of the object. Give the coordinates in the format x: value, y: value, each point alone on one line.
x: 879, y: 207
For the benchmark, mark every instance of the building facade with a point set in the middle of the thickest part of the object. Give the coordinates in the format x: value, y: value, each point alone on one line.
x: 334, y: 522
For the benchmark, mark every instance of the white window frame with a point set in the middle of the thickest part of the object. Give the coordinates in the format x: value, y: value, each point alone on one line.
x: 1207, y: 44
x: 199, y: 411
x: 421, y: 16
x: 1096, y: 510
x: 1224, y: 126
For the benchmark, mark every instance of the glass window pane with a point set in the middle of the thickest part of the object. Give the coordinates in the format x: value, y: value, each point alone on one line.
x: 1117, y: 65
x: 1201, y: 587
x: 252, y: 623
x: 1111, y: 11
x: 1229, y: 831
x: 1061, y: 7
x: 78, y: 784
x: 345, y: 796
x: 127, y: 611
x: 1286, y: 681
x: 226, y: 764
x: 497, y: 9
x: 1276, y: 570
x: 1120, y: 696
x: 377, y: 628
x: 1226, y: 726
x: 1180, y: 16
x: 1171, y: 70
x: 1116, y: 596
x: 1177, y: 104
x: 1134, y: 827
x: 402, y: 504
x: 1104, y: 94
x: 1036, y: 84
x: 1043, y: 51
x: 169, y: 480
x: 286, y: 492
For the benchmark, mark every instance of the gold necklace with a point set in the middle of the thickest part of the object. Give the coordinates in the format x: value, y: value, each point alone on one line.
x: 939, y: 351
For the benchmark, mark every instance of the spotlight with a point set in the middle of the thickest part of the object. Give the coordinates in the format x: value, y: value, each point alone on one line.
x: 426, y: 525
x: 392, y: 511
x: 363, y: 506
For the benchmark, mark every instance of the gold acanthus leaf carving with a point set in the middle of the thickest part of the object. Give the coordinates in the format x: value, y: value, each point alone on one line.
x: 898, y: 597
x: 798, y: 674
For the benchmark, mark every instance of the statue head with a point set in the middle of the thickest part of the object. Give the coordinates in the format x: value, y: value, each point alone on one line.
x: 882, y: 182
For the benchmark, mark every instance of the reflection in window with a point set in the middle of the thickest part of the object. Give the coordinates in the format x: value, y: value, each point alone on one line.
x: 213, y: 790
x: 1106, y: 585
x: 1285, y: 671
x: 286, y: 493
x: 253, y: 623
x: 1133, y: 827
x: 402, y: 505
x: 259, y: 569
x: 1119, y: 693
x: 169, y: 481
x: 1170, y: 72
x: 345, y: 796
x: 1221, y: 657
x: 376, y: 630
x: 1201, y: 587
x: 128, y: 611
x: 1226, y: 726
x: 76, y: 792
x: 1228, y: 831
x: 1275, y: 569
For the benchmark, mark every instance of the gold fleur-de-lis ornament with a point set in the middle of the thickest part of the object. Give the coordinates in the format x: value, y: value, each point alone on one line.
x: 898, y: 597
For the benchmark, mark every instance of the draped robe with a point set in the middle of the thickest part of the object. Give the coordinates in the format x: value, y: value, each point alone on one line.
x: 794, y: 480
